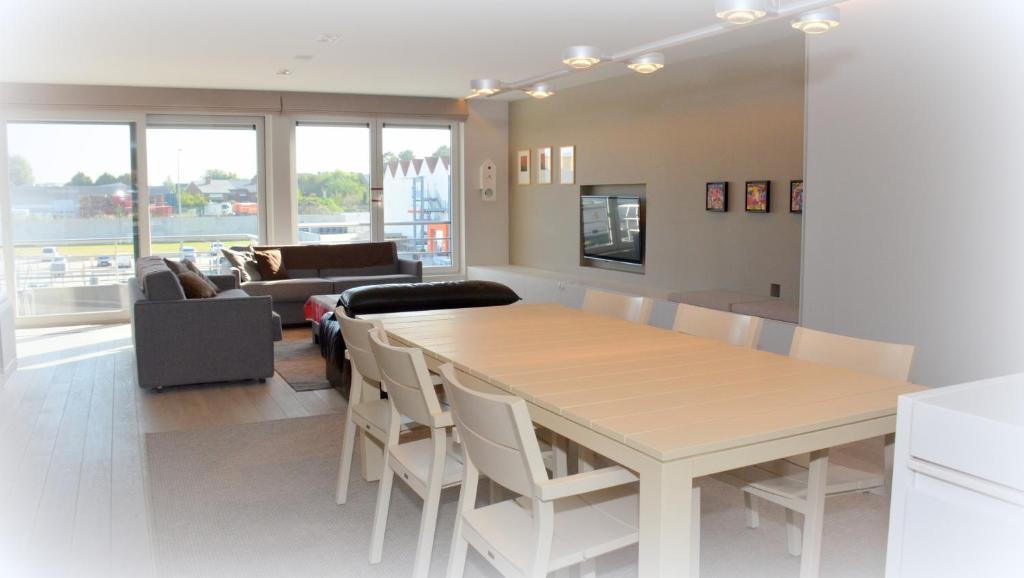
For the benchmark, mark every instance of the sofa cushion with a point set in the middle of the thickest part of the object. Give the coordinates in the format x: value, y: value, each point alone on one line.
x: 193, y: 268
x: 351, y: 255
x: 232, y: 294
x: 289, y: 289
x: 343, y: 283
x: 244, y: 261
x: 194, y: 286
x: 271, y: 265
x: 425, y: 296
x: 361, y: 271
x: 303, y: 273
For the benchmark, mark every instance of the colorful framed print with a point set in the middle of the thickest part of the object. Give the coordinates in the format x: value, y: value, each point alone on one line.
x: 524, y: 167
x: 758, y: 197
x: 716, y: 197
x: 544, y: 166
x: 567, y: 165
x: 796, y: 196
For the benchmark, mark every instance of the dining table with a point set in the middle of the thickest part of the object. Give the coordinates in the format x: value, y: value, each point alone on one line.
x: 670, y: 407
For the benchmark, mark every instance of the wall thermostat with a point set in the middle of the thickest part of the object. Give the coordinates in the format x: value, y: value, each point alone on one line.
x: 488, y: 181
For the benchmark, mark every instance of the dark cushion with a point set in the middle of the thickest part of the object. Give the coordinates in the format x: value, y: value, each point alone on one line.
x: 425, y: 296
x: 195, y: 287
x: 193, y: 268
x: 271, y: 266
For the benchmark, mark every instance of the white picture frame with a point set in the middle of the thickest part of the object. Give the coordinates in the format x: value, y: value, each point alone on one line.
x: 544, y: 166
x: 523, y: 167
x: 567, y: 165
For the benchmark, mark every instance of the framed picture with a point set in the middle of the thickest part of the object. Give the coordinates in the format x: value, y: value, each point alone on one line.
x: 567, y: 165
x: 796, y: 196
x: 524, y: 167
x: 544, y: 166
x: 716, y: 197
x: 759, y: 196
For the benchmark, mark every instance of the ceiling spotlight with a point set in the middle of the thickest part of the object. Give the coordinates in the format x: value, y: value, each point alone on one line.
x: 741, y: 11
x: 818, y: 21
x: 543, y: 90
x: 580, y: 57
x: 284, y: 72
x: 647, y: 63
x: 485, y: 86
x: 328, y: 38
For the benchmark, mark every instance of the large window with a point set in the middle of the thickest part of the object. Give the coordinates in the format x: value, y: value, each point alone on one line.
x: 418, y: 192
x: 72, y: 211
x: 332, y: 163
x: 204, y: 189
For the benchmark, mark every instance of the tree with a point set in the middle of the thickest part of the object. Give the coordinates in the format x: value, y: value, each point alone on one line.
x: 406, y: 155
x: 218, y: 174
x: 336, y: 191
x: 443, y: 151
x: 126, y: 179
x: 79, y: 180
x: 192, y: 200
x: 390, y: 157
x: 20, y: 171
x: 106, y: 179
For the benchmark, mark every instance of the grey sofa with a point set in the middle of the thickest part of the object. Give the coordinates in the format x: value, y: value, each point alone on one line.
x: 181, y: 341
x: 330, y: 269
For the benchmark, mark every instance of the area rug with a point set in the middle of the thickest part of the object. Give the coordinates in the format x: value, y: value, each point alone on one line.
x: 257, y: 500
x: 297, y: 360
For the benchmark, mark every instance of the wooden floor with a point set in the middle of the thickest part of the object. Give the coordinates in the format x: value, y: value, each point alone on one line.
x: 72, y: 425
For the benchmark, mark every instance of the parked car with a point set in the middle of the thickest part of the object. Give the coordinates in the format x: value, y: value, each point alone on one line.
x: 58, y: 266
x: 50, y: 253
x: 188, y: 254
x: 104, y: 261
x: 124, y: 261
x: 215, y: 248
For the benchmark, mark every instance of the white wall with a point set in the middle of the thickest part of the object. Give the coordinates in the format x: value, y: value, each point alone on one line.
x: 915, y: 145
x: 486, y: 222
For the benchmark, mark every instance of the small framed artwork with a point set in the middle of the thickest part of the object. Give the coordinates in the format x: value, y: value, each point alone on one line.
x: 544, y: 166
x: 758, y: 197
x: 796, y: 196
x: 524, y: 167
x: 716, y: 197
x: 567, y: 165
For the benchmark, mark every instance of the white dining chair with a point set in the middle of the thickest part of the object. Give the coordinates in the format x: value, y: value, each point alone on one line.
x: 426, y: 465
x: 733, y: 328
x: 784, y: 482
x: 366, y: 412
x: 554, y: 523
x: 628, y: 307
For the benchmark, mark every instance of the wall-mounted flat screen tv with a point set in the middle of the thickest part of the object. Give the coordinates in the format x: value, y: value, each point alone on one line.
x: 612, y: 228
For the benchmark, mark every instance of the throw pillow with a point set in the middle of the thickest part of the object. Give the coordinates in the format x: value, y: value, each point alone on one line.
x: 194, y: 269
x: 270, y: 264
x: 244, y: 261
x: 195, y: 287
x: 176, y: 267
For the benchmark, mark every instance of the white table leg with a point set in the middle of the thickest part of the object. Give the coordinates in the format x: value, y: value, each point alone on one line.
x: 666, y: 500
x: 814, y: 517
x: 890, y: 445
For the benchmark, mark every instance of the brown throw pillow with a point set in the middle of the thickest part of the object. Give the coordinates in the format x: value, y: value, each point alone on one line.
x: 193, y: 268
x: 270, y: 265
x: 195, y: 287
x: 244, y: 261
x: 176, y: 267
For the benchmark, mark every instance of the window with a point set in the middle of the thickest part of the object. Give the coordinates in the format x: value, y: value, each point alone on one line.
x: 73, y: 207
x: 205, y: 188
x: 333, y: 177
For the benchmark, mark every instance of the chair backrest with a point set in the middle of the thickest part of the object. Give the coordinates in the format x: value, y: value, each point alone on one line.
x: 630, y: 308
x: 356, y: 333
x: 497, y: 435
x: 403, y: 371
x: 891, y: 360
x: 734, y: 328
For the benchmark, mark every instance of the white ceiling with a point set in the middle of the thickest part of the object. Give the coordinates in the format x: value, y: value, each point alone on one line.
x: 423, y: 48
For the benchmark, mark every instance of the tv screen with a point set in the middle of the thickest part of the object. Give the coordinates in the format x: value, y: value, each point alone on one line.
x: 612, y: 228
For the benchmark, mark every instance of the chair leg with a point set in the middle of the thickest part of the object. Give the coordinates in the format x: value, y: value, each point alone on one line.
x: 695, y: 533
x: 586, y: 459
x: 428, y: 523
x: 380, y: 516
x: 890, y: 452
x: 559, y: 446
x: 588, y: 568
x: 794, y: 536
x: 751, y: 506
x: 345, y: 465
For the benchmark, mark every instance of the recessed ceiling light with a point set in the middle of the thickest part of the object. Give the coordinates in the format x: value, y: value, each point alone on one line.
x: 818, y: 21
x: 741, y: 11
x: 303, y: 57
x: 542, y: 90
x: 580, y: 57
x: 647, y: 63
x: 284, y: 72
x: 485, y: 86
x: 328, y: 38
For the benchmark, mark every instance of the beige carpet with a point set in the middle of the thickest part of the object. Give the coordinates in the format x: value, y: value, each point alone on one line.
x: 256, y: 500
x: 298, y: 361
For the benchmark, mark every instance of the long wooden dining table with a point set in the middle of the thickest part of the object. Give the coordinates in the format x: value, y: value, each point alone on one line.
x: 669, y: 406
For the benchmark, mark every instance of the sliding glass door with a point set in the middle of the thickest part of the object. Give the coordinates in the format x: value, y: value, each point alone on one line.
x: 73, y: 209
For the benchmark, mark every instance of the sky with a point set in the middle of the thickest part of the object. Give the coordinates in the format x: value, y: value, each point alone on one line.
x: 58, y: 151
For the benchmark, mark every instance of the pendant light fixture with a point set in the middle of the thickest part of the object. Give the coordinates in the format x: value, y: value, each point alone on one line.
x: 580, y: 57
x: 647, y: 63
x: 741, y: 11
x: 541, y: 91
x: 818, y: 21
x: 485, y: 87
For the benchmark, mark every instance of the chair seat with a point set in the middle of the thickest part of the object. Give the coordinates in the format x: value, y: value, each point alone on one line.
x: 788, y: 480
x: 585, y: 527
x: 413, y: 458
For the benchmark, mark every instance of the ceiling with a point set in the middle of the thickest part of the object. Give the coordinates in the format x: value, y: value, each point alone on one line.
x: 400, y: 47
